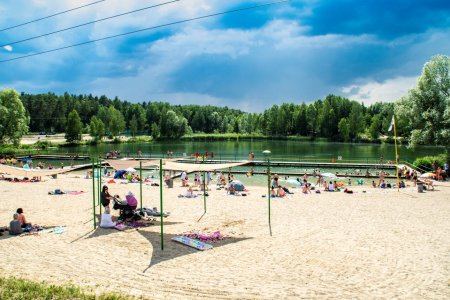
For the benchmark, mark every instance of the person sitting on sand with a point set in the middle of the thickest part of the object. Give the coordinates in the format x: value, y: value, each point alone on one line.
x: 108, y: 221
x: 331, y: 187
x: 231, y: 190
x: 15, y: 227
x: 325, y: 185
x: 306, y: 189
x: 22, y: 219
x: 223, y: 180
x: 280, y: 191
x: 190, y: 192
x: 273, y: 192
x: 105, y: 196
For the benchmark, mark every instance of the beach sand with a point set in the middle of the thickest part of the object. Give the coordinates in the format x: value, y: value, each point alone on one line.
x: 375, y: 245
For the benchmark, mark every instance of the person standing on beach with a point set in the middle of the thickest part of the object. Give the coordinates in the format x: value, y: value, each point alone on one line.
x: 105, y: 197
x: 380, y: 178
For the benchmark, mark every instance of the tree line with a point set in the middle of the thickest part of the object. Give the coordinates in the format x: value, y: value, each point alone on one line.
x: 334, y: 117
x: 423, y: 116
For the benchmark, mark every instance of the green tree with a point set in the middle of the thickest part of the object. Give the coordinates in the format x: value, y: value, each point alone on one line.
x: 133, y: 125
x: 175, y: 126
x: 103, y: 115
x: 13, y: 118
x: 344, y: 129
x: 425, y: 112
x: 155, y: 130
x: 74, y: 127
x: 356, y: 120
x: 117, y: 122
x: 96, y: 128
x: 375, y: 127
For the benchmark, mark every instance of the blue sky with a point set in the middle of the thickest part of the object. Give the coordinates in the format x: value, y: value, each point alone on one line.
x: 298, y: 51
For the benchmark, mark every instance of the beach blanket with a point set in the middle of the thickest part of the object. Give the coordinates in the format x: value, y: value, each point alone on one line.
x: 204, y: 236
x: 153, y: 212
x: 37, y: 230
x: 187, y: 196
x: 75, y: 192
x: 191, y: 243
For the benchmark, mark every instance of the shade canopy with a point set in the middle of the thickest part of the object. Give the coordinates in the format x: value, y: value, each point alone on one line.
x: 198, y: 167
x: 14, y: 171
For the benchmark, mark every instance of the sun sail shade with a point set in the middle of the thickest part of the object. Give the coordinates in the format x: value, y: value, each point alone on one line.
x: 14, y: 171
x: 199, y: 167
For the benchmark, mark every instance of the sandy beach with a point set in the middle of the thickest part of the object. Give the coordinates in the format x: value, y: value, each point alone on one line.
x: 380, y: 244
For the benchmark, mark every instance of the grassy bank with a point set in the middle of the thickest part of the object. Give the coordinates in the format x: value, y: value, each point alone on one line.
x: 16, y: 288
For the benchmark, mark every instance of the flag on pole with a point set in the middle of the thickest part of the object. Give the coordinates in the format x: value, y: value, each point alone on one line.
x: 392, y: 123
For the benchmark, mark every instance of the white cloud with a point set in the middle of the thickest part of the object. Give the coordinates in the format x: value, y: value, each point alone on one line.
x: 372, y: 91
x: 8, y: 48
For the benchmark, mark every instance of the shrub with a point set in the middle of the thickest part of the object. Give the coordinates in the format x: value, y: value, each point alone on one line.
x: 427, y: 161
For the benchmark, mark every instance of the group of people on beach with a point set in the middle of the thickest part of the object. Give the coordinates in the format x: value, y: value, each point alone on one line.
x: 18, y: 225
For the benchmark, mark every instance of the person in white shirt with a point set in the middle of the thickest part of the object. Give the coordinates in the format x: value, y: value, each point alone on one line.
x: 184, y: 178
x: 331, y: 187
x: 107, y: 221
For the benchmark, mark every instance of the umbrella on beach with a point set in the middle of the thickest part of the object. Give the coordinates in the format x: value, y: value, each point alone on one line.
x: 130, y: 170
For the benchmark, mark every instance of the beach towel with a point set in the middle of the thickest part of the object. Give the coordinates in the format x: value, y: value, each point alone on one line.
x: 187, y: 196
x: 204, y: 236
x: 153, y: 212
x: 75, y: 192
x: 120, y: 226
x: 191, y: 243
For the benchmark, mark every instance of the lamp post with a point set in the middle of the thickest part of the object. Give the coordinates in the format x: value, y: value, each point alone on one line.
x: 267, y: 156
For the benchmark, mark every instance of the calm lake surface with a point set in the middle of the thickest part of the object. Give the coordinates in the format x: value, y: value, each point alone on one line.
x: 281, y: 150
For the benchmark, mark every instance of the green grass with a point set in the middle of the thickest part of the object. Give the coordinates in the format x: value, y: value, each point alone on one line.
x: 21, y: 289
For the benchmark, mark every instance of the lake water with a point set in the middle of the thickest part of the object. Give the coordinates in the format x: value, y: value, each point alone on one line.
x: 281, y: 150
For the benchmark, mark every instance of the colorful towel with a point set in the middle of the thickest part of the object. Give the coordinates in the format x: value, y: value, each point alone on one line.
x: 191, y: 243
x: 75, y: 192
x: 204, y: 236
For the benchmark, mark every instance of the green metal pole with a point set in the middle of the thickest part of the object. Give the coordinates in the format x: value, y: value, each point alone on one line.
x: 93, y: 194
x: 99, y: 184
x: 140, y: 182
x: 161, y: 203
x: 268, y: 190
x: 204, y: 193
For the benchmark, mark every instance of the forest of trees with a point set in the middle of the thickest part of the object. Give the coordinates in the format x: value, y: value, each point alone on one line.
x: 423, y: 116
x: 334, y: 117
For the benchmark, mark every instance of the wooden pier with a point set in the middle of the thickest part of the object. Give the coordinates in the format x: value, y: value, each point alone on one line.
x: 302, y: 164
